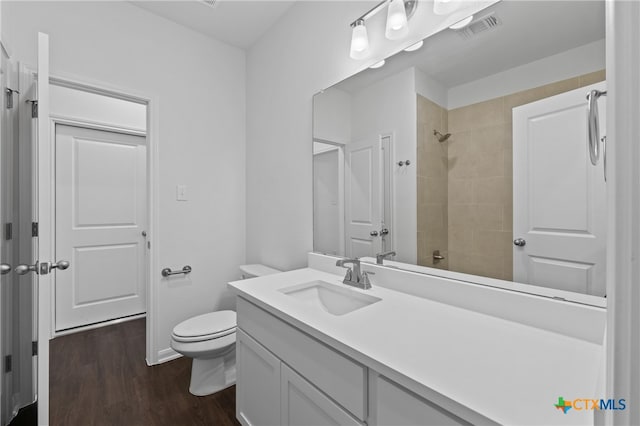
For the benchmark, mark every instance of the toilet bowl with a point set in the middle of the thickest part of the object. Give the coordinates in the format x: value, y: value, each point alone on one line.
x: 210, y: 339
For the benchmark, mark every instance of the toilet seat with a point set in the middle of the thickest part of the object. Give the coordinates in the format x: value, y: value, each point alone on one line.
x: 212, y: 325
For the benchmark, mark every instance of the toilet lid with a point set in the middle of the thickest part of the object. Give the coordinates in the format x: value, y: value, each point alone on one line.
x: 211, y: 324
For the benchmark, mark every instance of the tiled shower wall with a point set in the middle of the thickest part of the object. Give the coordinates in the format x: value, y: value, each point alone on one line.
x: 479, y: 198
x: 432, y: 184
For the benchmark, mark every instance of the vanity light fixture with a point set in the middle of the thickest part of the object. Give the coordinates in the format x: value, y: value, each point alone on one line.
x: 377, y: 64
x: 414, y: 46
x: 397, y: 26
x: 463, y: 23
x: 445, y: 7
x: 398, y: 14
x: 359, y: 40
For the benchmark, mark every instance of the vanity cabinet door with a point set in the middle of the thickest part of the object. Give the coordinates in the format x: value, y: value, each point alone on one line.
x: 304, y: 405
x: 257, y: 383
x: 390, y: 404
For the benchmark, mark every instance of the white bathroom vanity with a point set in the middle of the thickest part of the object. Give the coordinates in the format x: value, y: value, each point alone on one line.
x: 307, y: 354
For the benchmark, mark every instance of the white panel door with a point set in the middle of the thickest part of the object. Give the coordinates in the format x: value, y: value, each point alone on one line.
x: 559, y: 197
x: 362, y: 198
x: 100, y: 217
x: 258, y: 383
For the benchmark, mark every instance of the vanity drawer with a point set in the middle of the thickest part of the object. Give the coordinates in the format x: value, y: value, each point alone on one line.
x: 341, y: 378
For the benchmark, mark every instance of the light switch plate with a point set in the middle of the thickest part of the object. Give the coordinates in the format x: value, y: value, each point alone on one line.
x: 181, y: 192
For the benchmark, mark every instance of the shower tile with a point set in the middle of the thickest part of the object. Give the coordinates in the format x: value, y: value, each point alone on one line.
x: 491, y: 242
x: 593, y: 78
x: 491, y: 190
x: 560, y: 87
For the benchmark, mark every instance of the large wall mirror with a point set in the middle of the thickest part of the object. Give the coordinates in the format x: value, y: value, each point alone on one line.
x: 469, y: 155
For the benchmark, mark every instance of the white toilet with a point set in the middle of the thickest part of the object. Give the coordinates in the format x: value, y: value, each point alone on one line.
x: 210, y: 340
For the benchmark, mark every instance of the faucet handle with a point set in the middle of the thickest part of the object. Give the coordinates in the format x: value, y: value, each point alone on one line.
x: 347, y: 276
x: 366, y: 284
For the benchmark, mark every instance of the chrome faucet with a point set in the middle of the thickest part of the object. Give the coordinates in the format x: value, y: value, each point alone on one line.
x: 355, y: 277
x: 381, y: 256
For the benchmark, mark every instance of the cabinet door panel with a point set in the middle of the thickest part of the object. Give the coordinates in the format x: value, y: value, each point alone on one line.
x: 304, y: 405
x: 330, y: 371
x: 257, y: 383
x: 393, y: 405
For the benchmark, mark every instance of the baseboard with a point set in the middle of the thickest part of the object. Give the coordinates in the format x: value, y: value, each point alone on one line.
x: 167, y: 354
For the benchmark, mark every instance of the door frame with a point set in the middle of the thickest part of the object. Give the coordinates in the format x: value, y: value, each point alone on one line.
x: 389, y: 196
x: 152, y: 132
x: 45, y: 310
x: 623, y: 199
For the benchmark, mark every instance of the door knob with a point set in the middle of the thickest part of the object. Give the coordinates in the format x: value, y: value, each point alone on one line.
x: 25, y: 269
x: 144, y: 233
x: 373, y: 233
x: 61, y: 265
x: 384, y: 231
x: 41, y: 268
x: 5, y: 268
x: 520, y: 242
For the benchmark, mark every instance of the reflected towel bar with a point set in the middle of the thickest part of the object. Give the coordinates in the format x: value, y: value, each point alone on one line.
x: 166, y: 272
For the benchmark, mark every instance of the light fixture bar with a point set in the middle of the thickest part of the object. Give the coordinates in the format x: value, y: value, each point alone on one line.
x: 375, y: 9
x: 410, y: 7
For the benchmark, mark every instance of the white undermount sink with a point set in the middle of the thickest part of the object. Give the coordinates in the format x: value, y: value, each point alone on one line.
x: 331, y: 298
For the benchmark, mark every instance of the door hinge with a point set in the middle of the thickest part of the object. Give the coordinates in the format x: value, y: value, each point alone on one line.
x: 34, y: 108
x: 8, y: 231
x: 34, y: 348
x: 7, y: 364
x: 34, y: 229
x: 9, y: 95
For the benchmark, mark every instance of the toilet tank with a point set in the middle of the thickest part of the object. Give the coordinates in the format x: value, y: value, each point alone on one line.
x: 256, y: 270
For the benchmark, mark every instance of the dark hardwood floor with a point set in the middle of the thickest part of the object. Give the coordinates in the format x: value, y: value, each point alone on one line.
x: 99, y: 377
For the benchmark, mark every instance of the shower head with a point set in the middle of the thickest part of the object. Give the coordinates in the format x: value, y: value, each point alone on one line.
x: 440, y: 136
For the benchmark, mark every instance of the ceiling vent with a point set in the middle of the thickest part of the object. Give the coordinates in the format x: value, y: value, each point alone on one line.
x: 210, y: 3
x: 480, y: 25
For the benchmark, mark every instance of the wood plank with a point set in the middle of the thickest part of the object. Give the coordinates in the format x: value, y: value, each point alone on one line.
x: 100, y: 377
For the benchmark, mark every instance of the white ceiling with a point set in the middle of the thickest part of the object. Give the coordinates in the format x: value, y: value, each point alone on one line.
x: 530, y: 30
x: 237, y: 22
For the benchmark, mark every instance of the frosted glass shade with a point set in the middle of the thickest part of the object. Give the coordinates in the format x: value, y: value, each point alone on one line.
x: 359, y: 41
x: 397, y: 26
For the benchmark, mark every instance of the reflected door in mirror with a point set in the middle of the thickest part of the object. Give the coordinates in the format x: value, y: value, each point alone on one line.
x: 559, y: 197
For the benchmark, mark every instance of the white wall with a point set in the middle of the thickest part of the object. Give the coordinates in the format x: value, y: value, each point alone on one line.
x: 307, y: 51
x: 200, y: 86
x: 96, y: 108
x: 564, y: 65
x: 332, y: 116
x: 430, y: 88
x: 390, y: 106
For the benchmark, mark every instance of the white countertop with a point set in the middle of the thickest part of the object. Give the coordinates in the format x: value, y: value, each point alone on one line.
x: 503, y: 370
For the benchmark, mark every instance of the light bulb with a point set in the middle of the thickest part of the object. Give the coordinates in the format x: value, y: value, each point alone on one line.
x: 463, y: 23
x: 445, y: 7
x: 378, y: 64
x: 396, y: 20
x: 359, y: 41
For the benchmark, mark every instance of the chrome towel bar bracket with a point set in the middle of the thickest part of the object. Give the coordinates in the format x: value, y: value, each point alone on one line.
x: 167, y: 272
